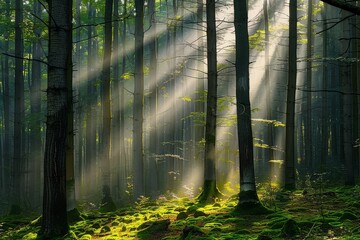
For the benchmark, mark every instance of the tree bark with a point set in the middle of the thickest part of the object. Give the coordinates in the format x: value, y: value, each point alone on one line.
x: 290, y: 103
x: 248, y: 193
x: 108, y: 204
x: 6, y: 104
x: 138, y: 106
x: 91, y: 116
x: 54, y: 219
x: 344, y: 5
x: 153, y: 99
x: 19, y: 108
x: 308, y: 123
x: 35, y: 108
x: 210, y: 190
x: 345, y: 76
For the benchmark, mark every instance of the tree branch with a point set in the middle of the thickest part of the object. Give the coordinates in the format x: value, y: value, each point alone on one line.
x: 344, y: 6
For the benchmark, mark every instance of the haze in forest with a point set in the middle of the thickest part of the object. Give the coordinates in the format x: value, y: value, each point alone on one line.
x: 109, y: 104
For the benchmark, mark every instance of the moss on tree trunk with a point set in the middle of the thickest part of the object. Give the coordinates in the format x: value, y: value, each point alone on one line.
x: 209, y: 193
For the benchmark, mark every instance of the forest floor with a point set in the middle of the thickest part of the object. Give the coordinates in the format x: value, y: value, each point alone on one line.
x: 331, y: 213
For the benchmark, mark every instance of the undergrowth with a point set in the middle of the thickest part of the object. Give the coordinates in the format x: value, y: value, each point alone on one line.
x: 315, y: 212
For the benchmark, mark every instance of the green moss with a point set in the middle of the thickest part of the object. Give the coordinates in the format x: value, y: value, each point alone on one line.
x: 263, y: 237
x: 85, y: 237
x: 192, y: 232
x: 30, y: 236
x: 199, y: 214
x: 251, y: 208
x: 74, y: 216
x: 210, y: 192
x: 150, y: 228
x: 181, y: 216
x: 348, y: 216
x: 290, y: 229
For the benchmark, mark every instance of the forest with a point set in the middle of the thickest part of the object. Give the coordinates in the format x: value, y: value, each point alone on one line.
x: 179, y: 119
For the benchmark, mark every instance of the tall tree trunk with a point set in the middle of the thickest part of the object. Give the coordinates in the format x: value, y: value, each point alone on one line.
x: 268, y: 87
x: 345, y: 76
x: 19, y: 108
x: 248, y: 193
x: 6, y: 105
x: 290, y: 103
x: 35, y: 108
x: 124, y: 171
x: 308, y: 122
x: 153, y: 99
x: 70, y: 158
x: 138, y: 106
x: 324, y: 112
x: 210, y: 190
x: 108, y: 204
x: 79, y: 117
x: 199, y: 133
x: 54, y: 218
x: 90, y: 131
x: 115, y: 133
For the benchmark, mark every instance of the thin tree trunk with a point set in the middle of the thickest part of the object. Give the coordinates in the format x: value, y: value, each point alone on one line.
x: 124, y: 169
x: 108, y: 204
x: 6, y: 104
x: 199, y: 133
x: 35, y: 109
x: 210, y: 190
x: 268, y: 87
x: 325, y: 117
x: 290, y: 103
x: 138, y: 106
x: 308, y: 122
x: 115, y: 147
x: 153, y: 99
x: 91, y: 117
x: 19, y: 108
x: 345, y: 76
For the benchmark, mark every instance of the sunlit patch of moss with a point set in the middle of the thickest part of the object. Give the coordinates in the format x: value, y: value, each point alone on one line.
x: 30, y: 236
x: 85, y: 237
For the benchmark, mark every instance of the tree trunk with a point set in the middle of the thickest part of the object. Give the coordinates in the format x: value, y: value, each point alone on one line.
x: 19, y: 109
x: 290, y: 103
x: 325, y: 117
x: 108, y: 204
x: 308, y: 122
x: 345, y: 76
x: 153, y: 183
x: 210, y: 190
x: 199, y: 133
x: 35, y: 109
x: 138, y: 106
x: 268, y: 87
x: 123, y: 157
x: 115, y: 133
x: 70, y: 158
x: 6, y: 104
x: 54, y: 219
x: 248, y: 193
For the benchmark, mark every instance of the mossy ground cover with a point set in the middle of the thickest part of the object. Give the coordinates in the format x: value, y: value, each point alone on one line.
x: 329, y: 214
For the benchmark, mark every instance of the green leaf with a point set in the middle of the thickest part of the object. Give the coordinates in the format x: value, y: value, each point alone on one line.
x: 186, y: 99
